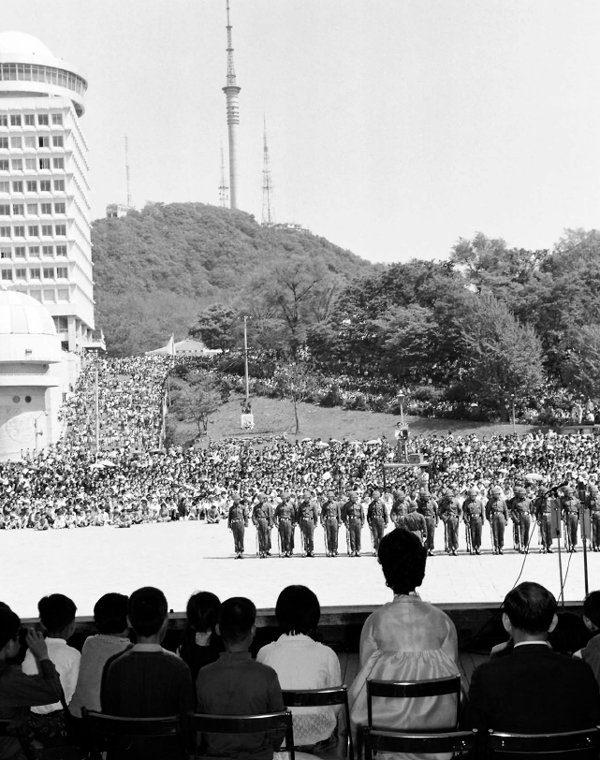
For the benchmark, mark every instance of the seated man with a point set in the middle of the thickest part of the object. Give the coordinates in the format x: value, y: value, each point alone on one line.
x: 237, y: 685
x: 148, y: 681
x: 532, y: 690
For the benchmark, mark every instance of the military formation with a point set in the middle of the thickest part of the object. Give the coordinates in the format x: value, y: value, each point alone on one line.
x: 563, y: 512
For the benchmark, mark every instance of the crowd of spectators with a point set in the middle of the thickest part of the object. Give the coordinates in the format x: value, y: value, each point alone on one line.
x: 133, y: 480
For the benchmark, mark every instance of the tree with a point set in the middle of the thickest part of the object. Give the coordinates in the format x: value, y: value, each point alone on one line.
x: 196, y: 398
x: 581, y: 366
x: 217, y: 326
x: 502, y: 356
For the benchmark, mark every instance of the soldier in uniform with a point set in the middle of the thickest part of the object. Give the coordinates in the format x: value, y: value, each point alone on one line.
x: 593, y: 504
x: 496, y: 512
x: 428, y: 507
x: 284, y: 518
x: 414, y: 522
x: 401, y: 506
x: 262, y: 518
x: 520, y: 512
x: 308, y: 517
x: 543, y: 515
x: 237, y: 522
x: 474, y: 518
x: 377, y: 519
x: 353, y: 516
x: 331, y: 518
x: 450, y: 513
x: 570, y: 506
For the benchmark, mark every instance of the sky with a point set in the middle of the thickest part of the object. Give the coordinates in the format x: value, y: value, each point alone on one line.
x: 395, y: 127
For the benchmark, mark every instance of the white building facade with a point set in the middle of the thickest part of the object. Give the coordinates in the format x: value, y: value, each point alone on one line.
x: 45, y: 230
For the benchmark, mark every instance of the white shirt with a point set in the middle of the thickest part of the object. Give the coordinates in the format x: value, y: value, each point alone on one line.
x: 66, y: 661
x: 302, y: 663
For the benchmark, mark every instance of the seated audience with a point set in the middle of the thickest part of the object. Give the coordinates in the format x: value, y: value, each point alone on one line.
x: 570, y: 634
x: 148, y: 681
x: 405, y: 640
x: 533, y: 689
x: 110, y: 617
x: 237, y: 685
x: 48, y: 723
x: 17, y: 690
x: 201, y: 645
x: 302, y: 663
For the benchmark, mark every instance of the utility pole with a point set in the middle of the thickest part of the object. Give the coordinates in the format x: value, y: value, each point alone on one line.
x: 232, y: 92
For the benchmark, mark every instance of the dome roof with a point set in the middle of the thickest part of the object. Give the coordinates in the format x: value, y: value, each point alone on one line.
x: 22, y: 315
x: 21, y: 43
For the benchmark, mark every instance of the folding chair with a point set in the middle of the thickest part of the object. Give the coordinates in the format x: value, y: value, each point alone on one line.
x: 201, y: 723
x: 571, y: 745
x: 337, y: 695
x: 460, y: 743
x: 113, y: 734
x: 433, y: 687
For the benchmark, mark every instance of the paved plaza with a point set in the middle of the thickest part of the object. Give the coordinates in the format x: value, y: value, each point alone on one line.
x: 183, y: 557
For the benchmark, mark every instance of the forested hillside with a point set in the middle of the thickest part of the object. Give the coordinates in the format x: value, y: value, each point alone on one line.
x: 156, y: 269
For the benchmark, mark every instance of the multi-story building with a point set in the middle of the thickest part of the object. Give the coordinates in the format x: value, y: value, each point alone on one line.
x: 45, y: 231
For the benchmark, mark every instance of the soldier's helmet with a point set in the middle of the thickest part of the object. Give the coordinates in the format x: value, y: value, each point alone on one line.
x: 593, y: 488
x: 520, y: 491
x: 496, y: 491
x: 448, y: 492
x: 401, y: 494
x: 376, y: 494
x: 568, y: 491
x: 235, y: 497
x: 473, y: 492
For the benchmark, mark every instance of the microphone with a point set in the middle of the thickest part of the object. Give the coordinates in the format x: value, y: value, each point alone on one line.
x: 554, y: 489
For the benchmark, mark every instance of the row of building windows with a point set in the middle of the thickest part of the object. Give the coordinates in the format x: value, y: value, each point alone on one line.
x: 32, y: 141
x: 33, y: 230
x: 29, y: 119
x: 31, y: 186
x: 18, y: 209
x: 35, y: 273
x: 47, y: 295
x: 30, y: 72
x: 33, y: 251
x: 31, y: 164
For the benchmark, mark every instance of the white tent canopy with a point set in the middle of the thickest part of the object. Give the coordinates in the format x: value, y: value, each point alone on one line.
x: 187, y: 347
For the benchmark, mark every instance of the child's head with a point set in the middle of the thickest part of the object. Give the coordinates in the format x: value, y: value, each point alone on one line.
x: 203, y: 611
x: 57, y: 615
x: 297, y: 610
x: 147, y: 611
x: 110, y: 614
x: 591, y: 610
x: 236, y: 621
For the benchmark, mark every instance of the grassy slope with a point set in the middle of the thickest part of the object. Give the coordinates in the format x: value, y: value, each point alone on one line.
x: 272, y: 416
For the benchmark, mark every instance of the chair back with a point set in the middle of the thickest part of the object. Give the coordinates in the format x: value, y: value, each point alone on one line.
x: 336, y: 695
x: 463, y: 742
x: 578, y: 745
x: 432, y: 687
x: 106, y: 731
x: 201, y: 723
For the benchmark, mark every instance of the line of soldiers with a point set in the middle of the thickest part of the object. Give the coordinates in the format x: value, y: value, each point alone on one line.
x: 307, y: 514
x: 421, y: 515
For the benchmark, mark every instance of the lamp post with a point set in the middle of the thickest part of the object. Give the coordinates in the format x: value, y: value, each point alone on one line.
x: 514, y: 424
x: 246, y: 359
x: 401, y: 396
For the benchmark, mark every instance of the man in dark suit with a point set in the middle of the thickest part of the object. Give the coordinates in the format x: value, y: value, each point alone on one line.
x: 532, y: 690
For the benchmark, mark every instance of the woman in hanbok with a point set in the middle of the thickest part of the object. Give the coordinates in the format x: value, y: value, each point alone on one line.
x: 405, y: 640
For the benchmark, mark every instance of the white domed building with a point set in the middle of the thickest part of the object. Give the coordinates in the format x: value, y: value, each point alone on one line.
x: 33, y: 376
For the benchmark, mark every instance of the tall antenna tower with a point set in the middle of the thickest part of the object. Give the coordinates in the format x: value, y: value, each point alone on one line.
x: 232, y: 92
x: 127, y: 171
x: 268, y: 218
x: 223, y: 187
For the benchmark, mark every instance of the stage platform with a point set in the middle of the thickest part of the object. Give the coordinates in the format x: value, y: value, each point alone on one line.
x: 183, y: 557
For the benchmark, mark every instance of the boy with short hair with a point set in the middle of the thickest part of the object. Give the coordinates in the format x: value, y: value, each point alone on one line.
x: 148, y: 681
x: 110, y: 617
x: 57, y: 616
x: 237, y: 685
